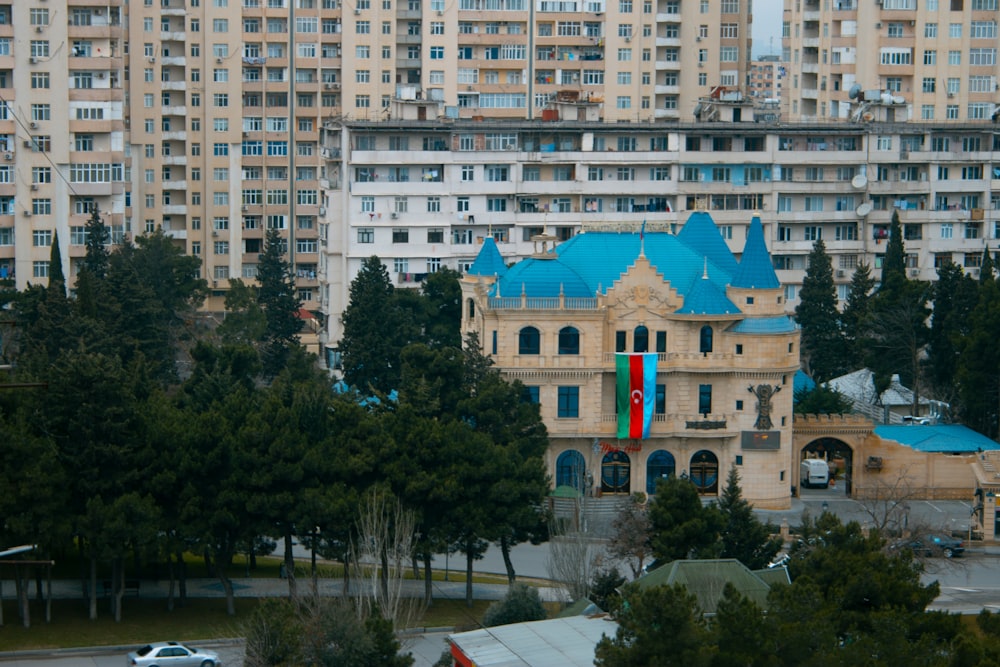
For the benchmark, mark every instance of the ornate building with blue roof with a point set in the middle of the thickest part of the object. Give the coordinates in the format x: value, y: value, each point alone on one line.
x: 726, y: 354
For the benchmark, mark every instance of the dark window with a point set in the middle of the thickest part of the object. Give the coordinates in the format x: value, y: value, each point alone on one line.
x: 739, y: 348
x: 739, y: 460
x: 472, y: 308
x: 739, y: 405
x: 530, y: 394
x: 704, y: 398
x: 494, y: 342
x: 529, y: 341
x: 619, y: 341
x: 569, y: 402
x: 640, y: 339
x: 706, y: 340
x: 660, y: 406
x: 661, y: 341
x: 569, y: 341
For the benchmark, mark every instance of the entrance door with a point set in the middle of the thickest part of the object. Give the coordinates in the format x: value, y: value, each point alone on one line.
x: 705, y: 472
x: 616, y: 470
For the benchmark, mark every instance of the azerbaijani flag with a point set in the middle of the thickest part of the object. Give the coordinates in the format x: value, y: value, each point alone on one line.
x: 636, y: 394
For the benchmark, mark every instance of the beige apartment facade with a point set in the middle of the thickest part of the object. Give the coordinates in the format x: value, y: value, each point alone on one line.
x: 934, y: 61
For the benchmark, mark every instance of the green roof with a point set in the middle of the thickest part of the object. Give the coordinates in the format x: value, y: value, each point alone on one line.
x: 705, y: 579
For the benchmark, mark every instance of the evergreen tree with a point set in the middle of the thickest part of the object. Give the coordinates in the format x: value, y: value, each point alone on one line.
x: 57, y: 279
x: 899, y: 335
x: 986, y: 267
x: 817, y: 315
x: 857, y: 316
x: 681, y: 526
x: 443, y: 311
x: 372, y: 341
x: 743, y: 536
x: 978, y: 370
x: 279, y: 301
x: 954, y: 295
x: 98, y: 238
x: 821, y: 400
x: 894, y: 261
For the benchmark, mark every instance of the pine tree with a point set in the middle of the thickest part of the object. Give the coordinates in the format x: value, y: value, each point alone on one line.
x: 894, y: 262
x: 375, y: 331
x: 279, y: 301
x: 856, y: 318
x: 954, y: 294
x: 986, y: 268
x: 98, y: 238
x: 57, y: 280
x: 744, y: 537
x: 822, y: 341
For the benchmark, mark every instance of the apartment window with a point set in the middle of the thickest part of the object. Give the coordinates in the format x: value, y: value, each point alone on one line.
x: 433, y: 204
x: 366, y: 235
x: 435, y: 235
x: 40, y: 269
x: 41, y: 238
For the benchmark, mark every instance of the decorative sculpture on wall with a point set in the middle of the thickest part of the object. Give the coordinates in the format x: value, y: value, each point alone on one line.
x: 764, y: 394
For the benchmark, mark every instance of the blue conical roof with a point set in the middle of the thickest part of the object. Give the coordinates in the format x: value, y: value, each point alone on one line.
x: 756, y: 270
x: 706, y: 298
x: 701, y: 234
x: 488, y: 262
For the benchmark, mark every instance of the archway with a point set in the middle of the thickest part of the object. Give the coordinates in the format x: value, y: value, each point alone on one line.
x: 570, y: 470
x: 616, y: 471
x: 705, y: 472
x: 659, y: 465
x: 838, y: 454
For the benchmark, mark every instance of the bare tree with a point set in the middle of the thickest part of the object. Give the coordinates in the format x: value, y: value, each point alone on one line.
x: 630, y: 534
x: 887, y: 503
x: 386, y: 535
x: 574, y: 557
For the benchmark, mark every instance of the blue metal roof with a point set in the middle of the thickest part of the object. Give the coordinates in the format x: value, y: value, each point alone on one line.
x: 488, y: 262
x: 756, y: 269
x: 802, y: 381
x: 954, y: 438
x: 701, y: 234
x: 705, y: 298
x: 593, y: 261
x: 780, y: 324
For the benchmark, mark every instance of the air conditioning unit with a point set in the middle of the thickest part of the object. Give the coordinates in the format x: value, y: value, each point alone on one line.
x: 33, y: 125
x: 878, y: 26
x: 440, y: 13
x: 841, y: 273
x: 215, y: 233
x: 152, y: 59
x: 914, y: 273
x: 357, y: 12
x: 38, y: 28
x: 27, y: 143
x: 246, y: 208
x: 215, y: 283
x: 218, y: 60
x: 628, y: 40
x: 27, y: 213
x: 34, y: 186
x: 974, y: 273
x: 328, y: 86
x: 8, y: 156
x: 33, y: 60
x: 698, y: 38
x: 322, y: 210
x: 101, y: 75
x: 394, y: 215
x: 951, y: 96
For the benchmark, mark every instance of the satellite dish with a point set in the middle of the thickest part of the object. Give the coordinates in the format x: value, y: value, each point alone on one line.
x: 864, y: 209
x: 898, y: 99
x: 859, y: 181
x: 868, y: 117
x: 854, y: 91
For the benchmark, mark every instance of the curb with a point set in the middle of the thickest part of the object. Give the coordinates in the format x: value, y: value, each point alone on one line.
x: 97, y: 650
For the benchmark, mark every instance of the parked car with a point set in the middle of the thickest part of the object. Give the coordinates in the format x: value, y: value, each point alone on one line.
x: 935, y: 544
x: 171, y: 654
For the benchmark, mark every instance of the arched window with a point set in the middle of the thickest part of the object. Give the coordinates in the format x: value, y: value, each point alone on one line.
x: 571, y: 470
x: 569, y: 340
x: 529, y: 341
x: 706, y: 340
x: 640, y: 339
x: 659, y: 465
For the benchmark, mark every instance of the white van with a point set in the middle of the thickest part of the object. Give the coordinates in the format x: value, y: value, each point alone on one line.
x: 814, y: 473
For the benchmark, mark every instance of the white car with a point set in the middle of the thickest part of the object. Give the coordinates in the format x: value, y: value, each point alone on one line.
x: 172, y: 654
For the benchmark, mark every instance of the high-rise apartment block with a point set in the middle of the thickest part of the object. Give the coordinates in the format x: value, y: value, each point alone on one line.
x: 934, y: 60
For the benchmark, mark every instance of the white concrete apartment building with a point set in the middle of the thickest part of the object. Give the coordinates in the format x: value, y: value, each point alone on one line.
x: 423, y: 194
x: 937, y: 59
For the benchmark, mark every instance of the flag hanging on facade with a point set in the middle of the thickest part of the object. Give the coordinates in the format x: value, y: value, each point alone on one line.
x: 636, y: 394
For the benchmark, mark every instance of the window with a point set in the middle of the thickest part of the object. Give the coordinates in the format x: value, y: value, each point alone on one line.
x: 704, y: 399
x: 529, y: 341
x: 705, y: 339
x: 569, y: 341
x: 569, y: 402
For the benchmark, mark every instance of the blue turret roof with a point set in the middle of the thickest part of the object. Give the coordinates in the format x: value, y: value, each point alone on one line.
x: 488, y: 262
x: 756, y: 269
x: 701, y: 234
x: 705, y: 298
